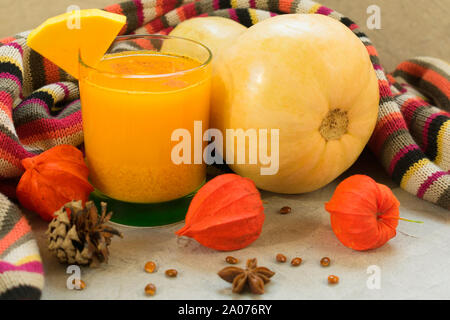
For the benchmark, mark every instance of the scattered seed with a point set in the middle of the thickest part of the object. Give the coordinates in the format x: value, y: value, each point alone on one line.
x: 281, y: 257
x: 325, y: 262
x: 82, y: 285
x: 231, y: 260
x: 171, y: 273
x: 150, y: 267
x: 150, y: 289
x: 333, y: 279
x: 296, y: 261
x: 285, y: 210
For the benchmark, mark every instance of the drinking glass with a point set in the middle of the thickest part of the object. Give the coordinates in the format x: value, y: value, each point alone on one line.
x: 135, y: 102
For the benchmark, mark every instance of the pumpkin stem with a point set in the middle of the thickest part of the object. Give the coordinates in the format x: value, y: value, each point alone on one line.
x: 334, y: 125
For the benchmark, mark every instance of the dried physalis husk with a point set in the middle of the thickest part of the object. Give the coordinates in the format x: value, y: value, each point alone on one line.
x: 364, y: 214
x: 52, y: 179
x: 226, y: 214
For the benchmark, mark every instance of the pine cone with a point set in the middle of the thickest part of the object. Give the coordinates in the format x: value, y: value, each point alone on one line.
x: 84, y: 237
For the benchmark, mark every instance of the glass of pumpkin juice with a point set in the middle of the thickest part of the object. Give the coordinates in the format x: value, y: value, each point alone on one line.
x: 143, y: 90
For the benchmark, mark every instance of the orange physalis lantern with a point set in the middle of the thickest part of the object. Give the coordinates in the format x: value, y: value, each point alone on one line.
x: 52, y: 179
x: 364, y: 214
x: 226, y: 214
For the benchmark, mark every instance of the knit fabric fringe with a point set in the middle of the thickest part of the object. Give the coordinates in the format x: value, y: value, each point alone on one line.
x: 39, y: 105
x: 21, y: 272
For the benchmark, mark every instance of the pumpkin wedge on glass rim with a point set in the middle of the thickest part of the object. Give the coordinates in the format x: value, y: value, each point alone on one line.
x: 90, y: 32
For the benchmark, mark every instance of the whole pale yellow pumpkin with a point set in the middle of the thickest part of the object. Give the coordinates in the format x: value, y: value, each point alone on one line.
x: 308, y: 76
x: 214, y: 32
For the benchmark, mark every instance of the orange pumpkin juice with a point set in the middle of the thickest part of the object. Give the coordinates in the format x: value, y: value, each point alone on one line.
x: 131, y: 103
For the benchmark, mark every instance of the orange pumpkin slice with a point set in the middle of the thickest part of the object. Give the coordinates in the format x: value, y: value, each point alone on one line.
x: 87, y: 32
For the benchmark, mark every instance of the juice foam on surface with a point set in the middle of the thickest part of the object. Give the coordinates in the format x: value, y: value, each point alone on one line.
x: 146, y: 64
x: 151, y: 72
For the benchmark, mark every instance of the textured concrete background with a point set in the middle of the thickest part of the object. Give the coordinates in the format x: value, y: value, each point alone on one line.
x: 408, y: 27
x: 413, y: 265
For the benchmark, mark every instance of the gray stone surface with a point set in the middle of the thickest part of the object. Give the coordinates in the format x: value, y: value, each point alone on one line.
x: 413, y: 265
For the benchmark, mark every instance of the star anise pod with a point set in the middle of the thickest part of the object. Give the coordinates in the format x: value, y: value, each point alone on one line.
x: 252, y: 277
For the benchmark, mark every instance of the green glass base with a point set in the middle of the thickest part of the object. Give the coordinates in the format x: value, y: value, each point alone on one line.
x: 144, y: 214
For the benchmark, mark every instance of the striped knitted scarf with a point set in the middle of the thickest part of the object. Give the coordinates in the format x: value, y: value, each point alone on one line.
x: 39, y: 108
